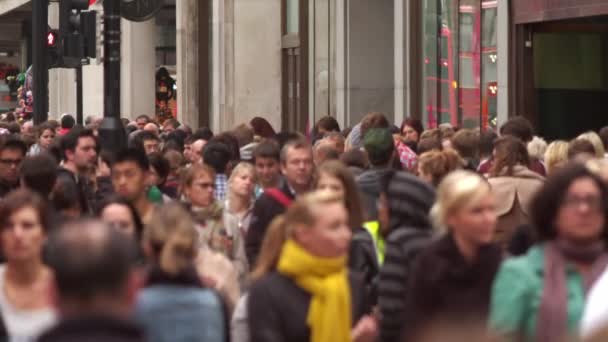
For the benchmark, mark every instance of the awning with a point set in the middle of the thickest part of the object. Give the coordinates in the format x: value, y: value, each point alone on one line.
x: 9, y: 5
x: 530, y: 11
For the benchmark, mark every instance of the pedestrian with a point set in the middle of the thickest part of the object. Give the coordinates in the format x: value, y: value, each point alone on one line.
x: 380, y: 148
x: 24, y: 278
x: 404, y: 206
x: 581, y: 150
x: 452, y: 278
x: 267, y: 262
x: 238, y: 206
x: 266, y: 158
x: 130, y: 173
x: 540, y: 296
x: 434, y: 165
x: 556, y: 155
x: 238, y: 209
x: 208, y: 214
x: 95, y: 284
x: 67, y: 123
x: 39, y: 174
x: 596, y: 141
x: 46, y: 136
x: 12, y: 152
x: 175, y: 305
x: 333, y: 176
x: 159, y: 172
x: 520, y: 128
x: 514, y: 185
x: 297, y: 169
x: 411, y: 130
x: 121, y: 215
x: 147, y: 141
x: 466, y: 143
x: 311, y: 296
x: 217, y: 155
x: 325, y: 125
x: 262, y: 129
x: 79, y: 150
x: 356, y: 161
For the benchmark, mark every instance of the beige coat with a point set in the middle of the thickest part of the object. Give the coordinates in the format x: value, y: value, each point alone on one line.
x: 513, y: 198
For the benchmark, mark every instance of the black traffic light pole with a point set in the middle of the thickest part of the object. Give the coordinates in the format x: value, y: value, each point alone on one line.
x: 79, y: 119
x: 40, y: 71
x: 111, y: 130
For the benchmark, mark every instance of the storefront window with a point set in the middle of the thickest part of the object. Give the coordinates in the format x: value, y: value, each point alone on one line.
x: 459, y: 62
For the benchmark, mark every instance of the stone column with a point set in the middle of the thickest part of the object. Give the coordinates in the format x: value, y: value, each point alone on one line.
x: 138, y: 68
x: 187, y: 61
x: 255, y: 78
x: 371, y: 65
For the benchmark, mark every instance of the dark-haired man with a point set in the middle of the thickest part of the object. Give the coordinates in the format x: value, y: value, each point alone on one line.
x: 12, y: 153
x: 79, y: 149
x: 95, y: 284
x: 129, y: 178
x: 148, y: 142
x: 266, y: 158
x: 217, y: 155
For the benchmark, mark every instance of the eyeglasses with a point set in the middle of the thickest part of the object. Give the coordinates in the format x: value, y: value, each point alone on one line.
x: 593, y: 202
x: 206, y: 185
x: 11, y: 161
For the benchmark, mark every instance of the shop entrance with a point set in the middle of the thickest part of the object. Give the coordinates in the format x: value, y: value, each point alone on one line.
x: 570, y: 76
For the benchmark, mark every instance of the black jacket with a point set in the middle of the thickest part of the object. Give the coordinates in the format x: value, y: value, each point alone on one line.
x: 70, y: 186
x: 278, y: 308
x: 265, y: 209
x: 409, y: 201
x: 444, y: 287
x: 94, y: 329
x: 362, y: 259
x: 6, y: 188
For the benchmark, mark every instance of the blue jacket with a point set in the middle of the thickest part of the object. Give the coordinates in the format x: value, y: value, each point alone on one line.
x: 172, y: 312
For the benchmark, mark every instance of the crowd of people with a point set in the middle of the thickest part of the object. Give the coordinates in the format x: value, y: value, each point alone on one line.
x: 371, y: 233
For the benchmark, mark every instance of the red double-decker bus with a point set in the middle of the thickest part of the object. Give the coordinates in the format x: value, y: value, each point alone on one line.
x: 464, y: 94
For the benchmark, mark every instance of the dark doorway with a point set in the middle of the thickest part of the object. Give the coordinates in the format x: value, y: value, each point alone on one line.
x: 570, y: 76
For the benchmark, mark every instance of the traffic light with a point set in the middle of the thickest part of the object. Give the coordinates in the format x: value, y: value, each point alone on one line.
x: 52, y: 49
x: 77, y: 30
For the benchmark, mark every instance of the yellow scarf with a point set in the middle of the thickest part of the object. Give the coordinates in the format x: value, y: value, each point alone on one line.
x: 326, y: 279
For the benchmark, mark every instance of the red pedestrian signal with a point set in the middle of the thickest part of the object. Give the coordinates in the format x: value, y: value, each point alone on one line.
x: 51, y: 39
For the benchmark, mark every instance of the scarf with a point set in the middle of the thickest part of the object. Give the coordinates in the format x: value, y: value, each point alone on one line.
x: 553, y: 309
x: 329, y: 315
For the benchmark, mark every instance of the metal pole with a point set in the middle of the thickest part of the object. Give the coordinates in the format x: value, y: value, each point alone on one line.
x: 40, y: 71
x: 111, y: 131
x: 79, y: 119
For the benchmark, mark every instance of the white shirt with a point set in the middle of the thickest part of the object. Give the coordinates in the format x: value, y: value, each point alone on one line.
x: 23, y: 325
x: 595, y: 316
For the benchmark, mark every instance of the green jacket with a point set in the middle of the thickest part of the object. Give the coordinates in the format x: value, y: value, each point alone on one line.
x: 517, y: 293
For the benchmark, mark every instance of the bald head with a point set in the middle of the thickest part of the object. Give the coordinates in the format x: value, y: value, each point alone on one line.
x: 90, y: 260
x: 151, y: 127
x: 196, y: 156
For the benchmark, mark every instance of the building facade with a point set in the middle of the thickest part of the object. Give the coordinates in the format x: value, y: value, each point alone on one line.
x: 471, y: 63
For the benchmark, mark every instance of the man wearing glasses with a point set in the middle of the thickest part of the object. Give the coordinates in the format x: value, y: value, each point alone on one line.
x: 12, y: 153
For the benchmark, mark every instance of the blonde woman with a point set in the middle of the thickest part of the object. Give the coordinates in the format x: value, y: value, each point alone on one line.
x: 556, y: 155
x: 596, y: 141
x: 311, y: 296
x: 452, y: 278
x: 174, y: 305
x: 239, y: 202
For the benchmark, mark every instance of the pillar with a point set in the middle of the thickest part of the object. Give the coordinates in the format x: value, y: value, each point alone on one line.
x: 138, y: 68
x: 188, y: 61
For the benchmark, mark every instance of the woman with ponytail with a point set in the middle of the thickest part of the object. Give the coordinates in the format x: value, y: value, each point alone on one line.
x: 175, y: 306
x: 311, y: 296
